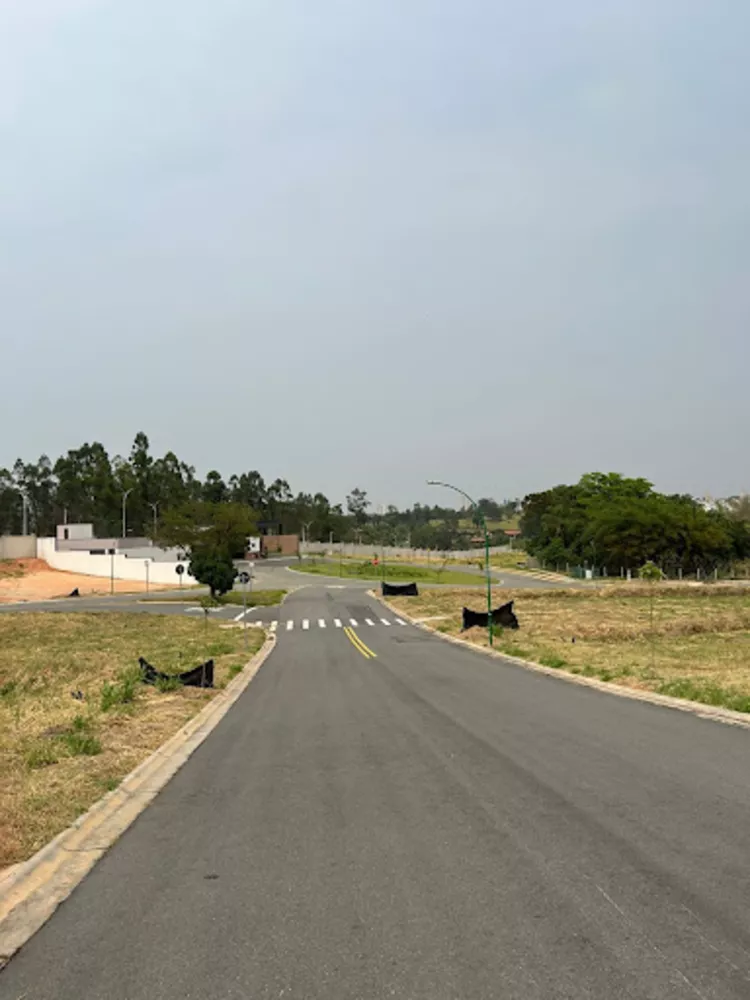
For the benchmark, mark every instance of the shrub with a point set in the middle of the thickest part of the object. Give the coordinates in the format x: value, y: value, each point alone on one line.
x: 122, y: 692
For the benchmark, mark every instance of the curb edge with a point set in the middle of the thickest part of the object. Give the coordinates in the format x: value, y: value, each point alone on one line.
x: 710, y: 712
x: 34, y: 889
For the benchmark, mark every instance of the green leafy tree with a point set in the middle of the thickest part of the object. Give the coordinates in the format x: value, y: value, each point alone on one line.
x: 357, y: 504
x: 214, y: 569
x: 215, y: 489
x: 209, y: 527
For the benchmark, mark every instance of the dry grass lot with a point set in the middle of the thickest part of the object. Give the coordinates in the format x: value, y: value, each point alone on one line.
x: 698, y: 648
x: 58, y: 755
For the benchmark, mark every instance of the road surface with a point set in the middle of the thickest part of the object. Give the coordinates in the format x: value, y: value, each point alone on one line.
x: 277, y: 574
x: 424, y: 822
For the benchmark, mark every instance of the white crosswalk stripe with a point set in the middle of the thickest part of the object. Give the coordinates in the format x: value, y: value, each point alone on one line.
x: 308, y: 624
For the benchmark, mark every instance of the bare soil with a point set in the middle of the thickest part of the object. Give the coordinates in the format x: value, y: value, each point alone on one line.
x: 34, y: 580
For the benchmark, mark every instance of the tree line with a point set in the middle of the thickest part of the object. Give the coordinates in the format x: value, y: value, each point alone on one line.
x: 608, y: 520
x: 87, y: 485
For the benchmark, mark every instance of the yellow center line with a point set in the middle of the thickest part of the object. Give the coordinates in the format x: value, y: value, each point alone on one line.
x: 355, y: 640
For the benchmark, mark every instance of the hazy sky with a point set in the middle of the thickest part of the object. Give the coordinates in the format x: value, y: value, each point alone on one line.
x: 368, y: 243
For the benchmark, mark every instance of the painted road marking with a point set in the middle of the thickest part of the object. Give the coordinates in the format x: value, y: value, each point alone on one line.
x: 241, y: 615
x: 307, y: 624
x: 355, y: 640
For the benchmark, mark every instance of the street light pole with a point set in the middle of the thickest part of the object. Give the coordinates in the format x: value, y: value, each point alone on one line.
x: 125, y: 495
x: 155, y: 508
x: 448, y: 486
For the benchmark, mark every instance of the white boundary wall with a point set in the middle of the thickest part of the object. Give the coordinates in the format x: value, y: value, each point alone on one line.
x: 125, y: 568
x: 367, y: 551
x: 17, y: 546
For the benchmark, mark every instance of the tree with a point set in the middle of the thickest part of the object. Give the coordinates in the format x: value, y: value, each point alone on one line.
x: 87, y: 490
x: 623, y: 522
x: 10, y: 504
x: 357, y: 504
x: 208, y: 527
x: 214, y: 488
x: 214, y: 569
x: 249, y: 488
x: 738, y: 508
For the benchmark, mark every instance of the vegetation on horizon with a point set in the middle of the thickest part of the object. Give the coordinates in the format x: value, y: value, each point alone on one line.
x: 603, y: 520
x: 610, y: 520
x: 165, y: 495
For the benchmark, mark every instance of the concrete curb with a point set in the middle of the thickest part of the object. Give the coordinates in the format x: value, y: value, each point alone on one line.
x: 31, y: 892
x: 711, y: 712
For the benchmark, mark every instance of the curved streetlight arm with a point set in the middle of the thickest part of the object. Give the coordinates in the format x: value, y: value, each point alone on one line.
x: 125, y: 495
x: 449, y: 486
x: 475, y: 505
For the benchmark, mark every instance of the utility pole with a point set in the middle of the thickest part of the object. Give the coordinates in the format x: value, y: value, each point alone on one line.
x: 24, y: 515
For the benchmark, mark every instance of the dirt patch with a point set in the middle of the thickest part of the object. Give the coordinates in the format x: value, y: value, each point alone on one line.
x: 34, y: 580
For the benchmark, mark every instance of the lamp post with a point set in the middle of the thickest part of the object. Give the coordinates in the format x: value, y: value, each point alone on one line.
x: 155, y: 508
x: 125, y: 495
x: 448, y: 486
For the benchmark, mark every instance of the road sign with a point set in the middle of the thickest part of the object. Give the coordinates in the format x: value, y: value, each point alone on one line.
x: 253, y: 544
x: 179, y: 569
x: 244, y: 577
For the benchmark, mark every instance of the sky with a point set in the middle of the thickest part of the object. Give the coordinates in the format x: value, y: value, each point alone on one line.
x: 495, y: 242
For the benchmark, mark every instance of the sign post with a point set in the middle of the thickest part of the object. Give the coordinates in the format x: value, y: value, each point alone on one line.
x: 179, y: 570
x: 244, y: 580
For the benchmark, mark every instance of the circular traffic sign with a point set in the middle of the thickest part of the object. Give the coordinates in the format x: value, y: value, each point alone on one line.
x: 244, y: 577
x: 179, y: 569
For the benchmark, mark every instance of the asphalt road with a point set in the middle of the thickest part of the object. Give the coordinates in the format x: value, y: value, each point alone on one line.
x: 272, y: 575
x: 424, y: 823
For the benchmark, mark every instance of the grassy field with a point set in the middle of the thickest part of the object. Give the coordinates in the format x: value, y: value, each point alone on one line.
x: 508, y: 560
x: 394, y: 573
x: 500, y: 560
x: 255, y: 598
x: 697, y: 648
x: 58, y: 754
